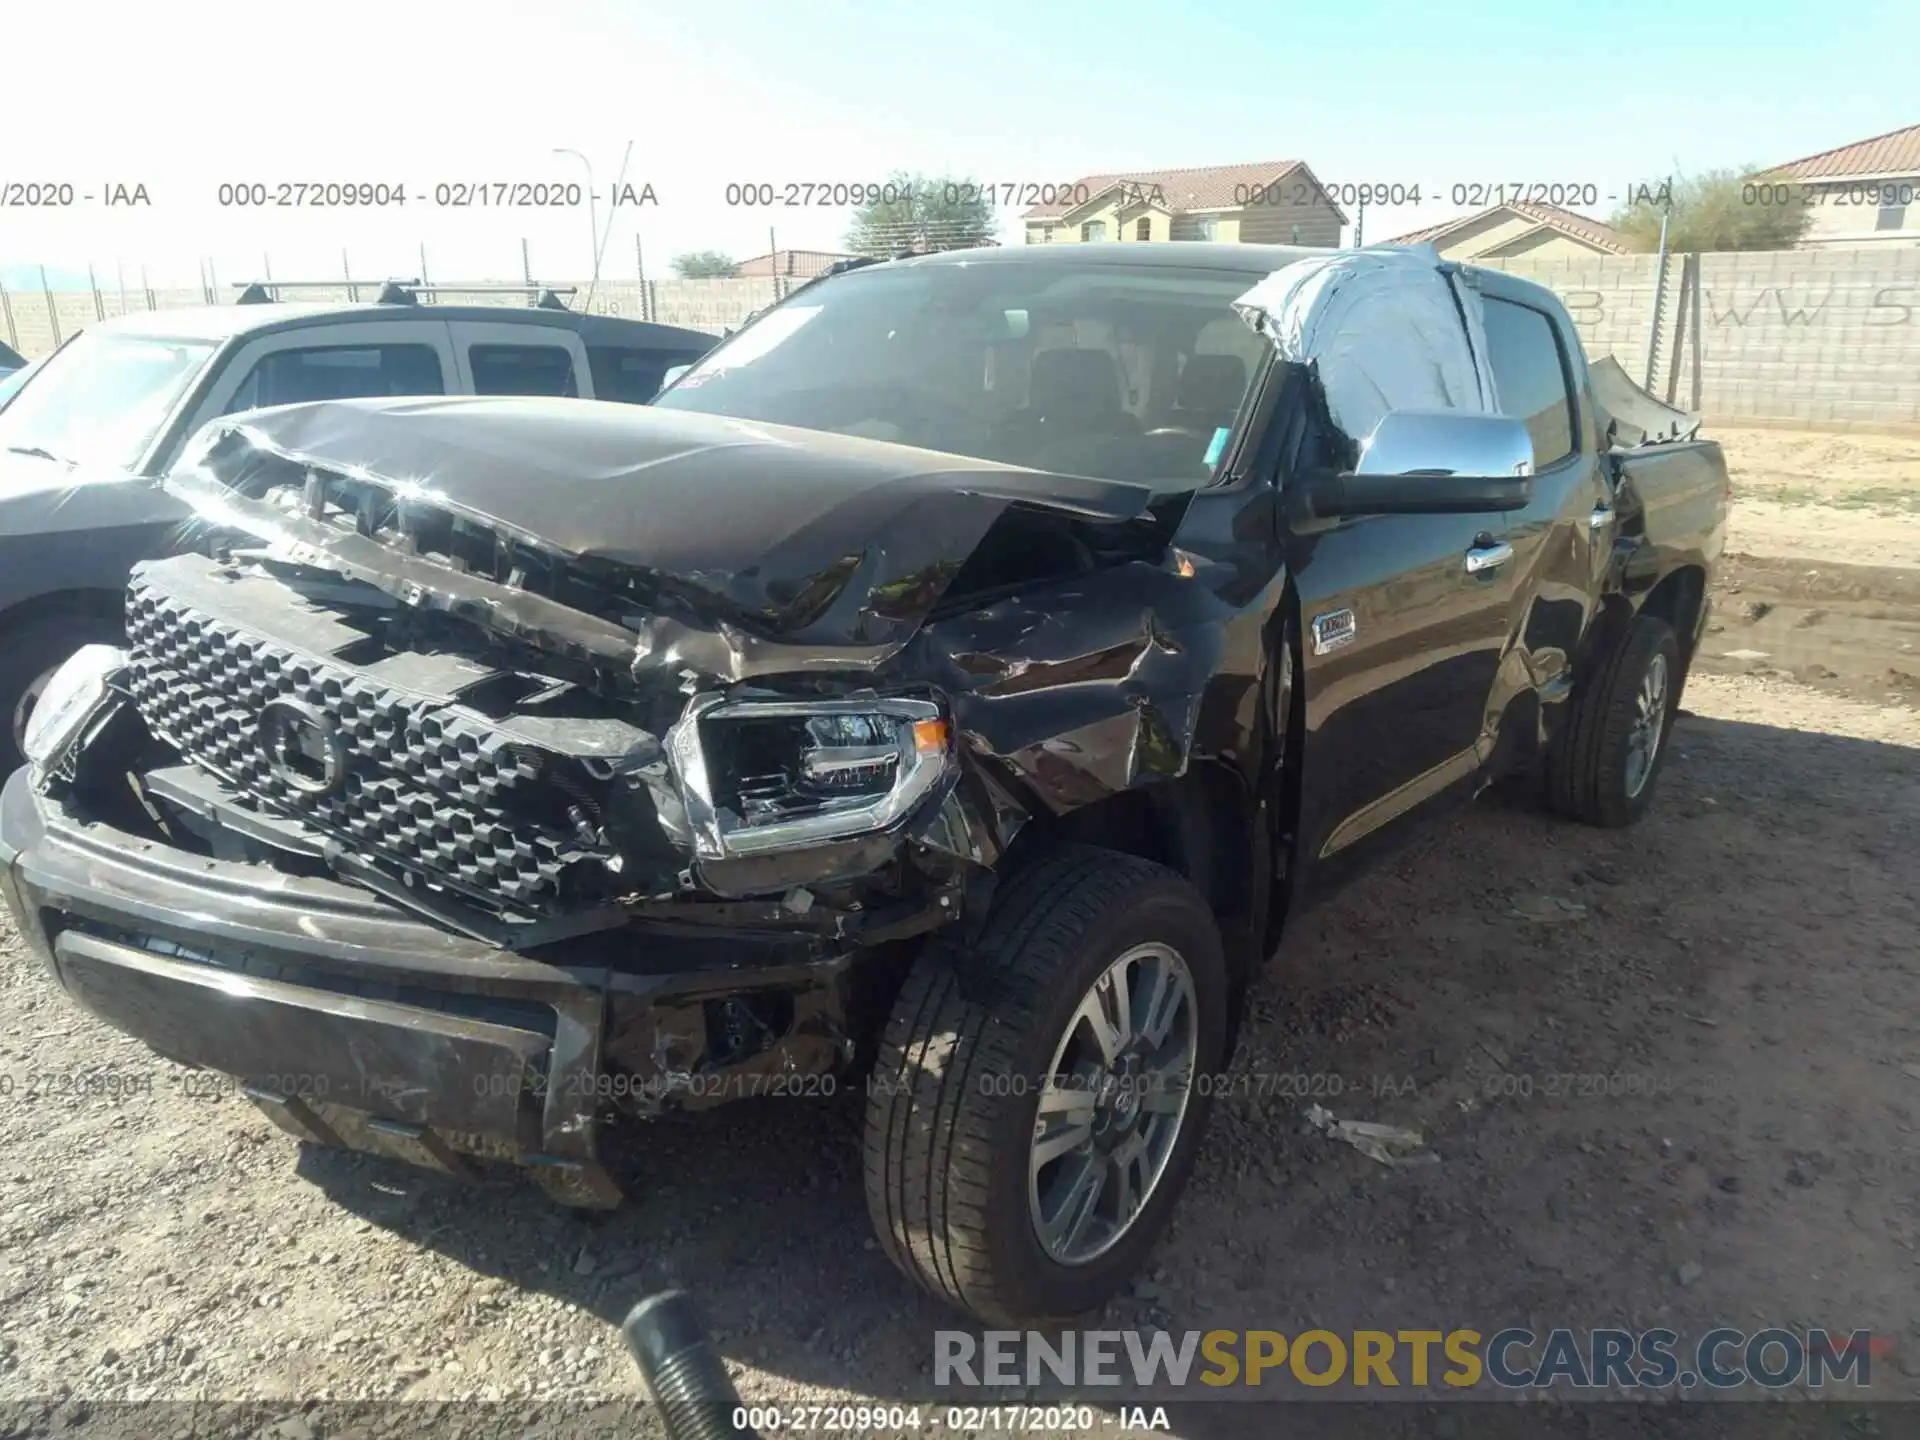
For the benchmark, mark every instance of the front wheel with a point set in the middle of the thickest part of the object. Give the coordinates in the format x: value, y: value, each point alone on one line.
x: 1039, y: 1099
x: 1608, y: 756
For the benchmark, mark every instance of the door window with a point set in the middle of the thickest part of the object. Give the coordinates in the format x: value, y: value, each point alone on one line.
x: 339, y: 372
x: 1531, y: 374
x: 522, y: 370
x: 633, y: 376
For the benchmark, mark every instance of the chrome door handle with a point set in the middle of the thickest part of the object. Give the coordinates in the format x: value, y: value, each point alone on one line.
x: 1601, y: 517
x: 1488, y: 557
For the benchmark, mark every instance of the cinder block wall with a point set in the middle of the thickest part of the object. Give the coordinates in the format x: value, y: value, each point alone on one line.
x: 1821, y: 335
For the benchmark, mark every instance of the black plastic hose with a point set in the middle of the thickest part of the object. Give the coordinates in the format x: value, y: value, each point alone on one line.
x: 683, y: 1372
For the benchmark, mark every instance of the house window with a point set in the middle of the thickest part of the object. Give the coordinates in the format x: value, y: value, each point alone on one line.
x: 1094, y: 230
x: 1046, y: 234
x: 1206, y: 227
x: 1143, y: 228
x: 1893, y: 207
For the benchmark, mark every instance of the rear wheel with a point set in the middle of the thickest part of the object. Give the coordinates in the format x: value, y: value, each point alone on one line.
x: 1607, y: 758
x: 29, y: 654
x: 1035, y: 1111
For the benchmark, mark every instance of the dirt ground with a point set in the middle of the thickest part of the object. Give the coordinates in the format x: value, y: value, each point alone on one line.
x: 1851, y: 499
x: 1822, y: 580
x: 1739, y: 973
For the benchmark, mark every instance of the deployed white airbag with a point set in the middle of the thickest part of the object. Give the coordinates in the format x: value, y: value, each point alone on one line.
x: 1384, y: 328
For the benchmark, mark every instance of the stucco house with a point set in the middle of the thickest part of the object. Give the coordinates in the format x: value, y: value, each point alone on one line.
x: 1866, y: 193
x: 1276, y: 202
x: 1518, y: 227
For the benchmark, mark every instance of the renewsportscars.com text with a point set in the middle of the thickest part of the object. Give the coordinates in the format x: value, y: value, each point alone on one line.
x: 1509, y: 1359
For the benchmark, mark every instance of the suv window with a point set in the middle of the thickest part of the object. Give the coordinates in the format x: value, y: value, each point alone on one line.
x: 1531, y: 374
x: 633, y: 376
x: 340, y: 372
x: 522, y: 370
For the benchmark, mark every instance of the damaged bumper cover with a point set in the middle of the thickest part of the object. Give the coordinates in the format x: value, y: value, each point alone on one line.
x: 351, y: 1022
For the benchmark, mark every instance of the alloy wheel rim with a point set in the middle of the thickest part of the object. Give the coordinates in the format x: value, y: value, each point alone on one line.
x: 1649, y: 726
x: 1112, y: 1102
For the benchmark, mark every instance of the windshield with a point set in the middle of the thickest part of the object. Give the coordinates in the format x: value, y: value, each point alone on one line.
x: 101, y: 398
x: 1122, y: 372
x: 12, y: 380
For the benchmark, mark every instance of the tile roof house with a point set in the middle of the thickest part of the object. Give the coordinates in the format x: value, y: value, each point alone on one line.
x: 1866, y: 193
x: 1518, y: 227
x: 1272, y: 202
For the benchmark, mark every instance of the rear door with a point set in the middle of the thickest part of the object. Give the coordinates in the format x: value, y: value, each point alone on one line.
x: 1559, y: 539
x: 501, y: 358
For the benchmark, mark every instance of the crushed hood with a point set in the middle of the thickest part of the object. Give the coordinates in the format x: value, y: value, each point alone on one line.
x: 764, y: 532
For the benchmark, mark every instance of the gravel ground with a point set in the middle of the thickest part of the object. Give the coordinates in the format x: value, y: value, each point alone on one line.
x: 1738, y: 971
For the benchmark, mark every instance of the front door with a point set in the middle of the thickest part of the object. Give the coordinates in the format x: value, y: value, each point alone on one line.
x: 1404, y: 622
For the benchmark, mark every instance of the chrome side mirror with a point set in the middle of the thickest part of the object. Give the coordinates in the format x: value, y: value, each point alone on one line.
x: 1431, y: 462
x: 1446, y: 442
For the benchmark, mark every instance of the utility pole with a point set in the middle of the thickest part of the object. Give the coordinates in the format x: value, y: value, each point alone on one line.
x: 1659, y: 295
x: 593, y: 216
x: 53, y: 313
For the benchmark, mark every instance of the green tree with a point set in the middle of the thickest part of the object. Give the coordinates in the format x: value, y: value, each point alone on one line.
x: 915, y: 212
x: 1716, y: 210
x: 705, y: 265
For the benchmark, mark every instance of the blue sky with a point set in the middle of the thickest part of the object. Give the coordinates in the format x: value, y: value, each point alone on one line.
x: 183, y: 97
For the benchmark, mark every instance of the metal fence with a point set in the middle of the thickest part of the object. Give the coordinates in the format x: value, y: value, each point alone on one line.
x: 36, y: 319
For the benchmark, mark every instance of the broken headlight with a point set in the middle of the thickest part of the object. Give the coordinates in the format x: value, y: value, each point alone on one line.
x: 75, y: 693
x: 763, y: 775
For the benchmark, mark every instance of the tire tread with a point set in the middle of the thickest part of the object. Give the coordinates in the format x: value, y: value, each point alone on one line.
x: 1578, y: 768
x: 960, y: 1017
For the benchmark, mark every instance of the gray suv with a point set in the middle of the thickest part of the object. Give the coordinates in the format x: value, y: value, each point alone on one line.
x: 83, y: 440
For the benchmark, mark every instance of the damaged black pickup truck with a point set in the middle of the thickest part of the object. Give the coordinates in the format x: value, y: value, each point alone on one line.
x: 949, y: 686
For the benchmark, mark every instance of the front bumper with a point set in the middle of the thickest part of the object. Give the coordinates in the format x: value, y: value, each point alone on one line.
x: 352, y: 1022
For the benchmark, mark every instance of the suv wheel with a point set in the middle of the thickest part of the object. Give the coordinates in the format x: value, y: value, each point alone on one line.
x: 1608, y: 756
x: 1033, y: 1114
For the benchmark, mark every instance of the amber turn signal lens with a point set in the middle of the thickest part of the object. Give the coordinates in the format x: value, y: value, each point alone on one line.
x: 929, y: 736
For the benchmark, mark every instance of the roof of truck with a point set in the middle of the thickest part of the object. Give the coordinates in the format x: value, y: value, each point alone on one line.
x: 224, y: 322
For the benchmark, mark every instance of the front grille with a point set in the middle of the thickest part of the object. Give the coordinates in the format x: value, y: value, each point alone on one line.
x: 426, y: 790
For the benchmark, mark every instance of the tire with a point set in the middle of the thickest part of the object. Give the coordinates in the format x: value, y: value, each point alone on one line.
x: 1594, y: 773
x: 29, y: 654
x: 951, y: 1115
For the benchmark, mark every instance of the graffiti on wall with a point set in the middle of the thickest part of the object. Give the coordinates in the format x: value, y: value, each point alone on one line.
x: 1794, y: 305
